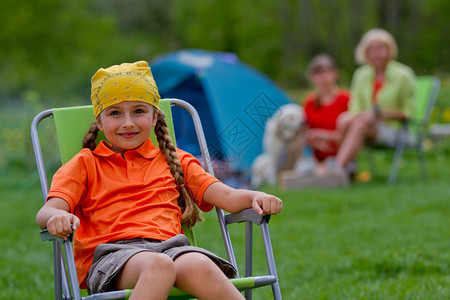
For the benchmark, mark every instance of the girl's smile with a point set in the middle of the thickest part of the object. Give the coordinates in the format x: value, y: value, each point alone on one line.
x: 128, y: 135
x: 127, y: 125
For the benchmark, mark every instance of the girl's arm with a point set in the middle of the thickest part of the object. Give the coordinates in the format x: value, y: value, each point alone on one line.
x: 232, y: 200
x: 55, y: 216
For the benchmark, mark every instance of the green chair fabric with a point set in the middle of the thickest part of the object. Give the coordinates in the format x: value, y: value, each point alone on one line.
x: 426, y: 91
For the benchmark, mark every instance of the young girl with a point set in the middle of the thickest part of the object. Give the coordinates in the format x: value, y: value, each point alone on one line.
x: 323, y: 108
x: 127, y: 199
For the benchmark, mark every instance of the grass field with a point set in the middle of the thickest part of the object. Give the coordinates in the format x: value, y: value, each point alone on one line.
x: 367, y: 241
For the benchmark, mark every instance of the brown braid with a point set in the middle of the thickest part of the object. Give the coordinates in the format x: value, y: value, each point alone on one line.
x: 91, y: 136
x: 190, y: 213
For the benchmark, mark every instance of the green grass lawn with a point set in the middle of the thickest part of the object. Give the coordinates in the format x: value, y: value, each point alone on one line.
x: 367, y: 241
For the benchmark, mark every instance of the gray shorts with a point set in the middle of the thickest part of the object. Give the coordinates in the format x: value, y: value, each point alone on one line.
x: 387, y: 136
x: 110, y: 258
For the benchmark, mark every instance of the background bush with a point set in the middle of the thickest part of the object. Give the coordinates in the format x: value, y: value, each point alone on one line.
x: 54, y: 46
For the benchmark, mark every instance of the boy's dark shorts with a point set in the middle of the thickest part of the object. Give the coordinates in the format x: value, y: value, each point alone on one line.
x: 110, y: 258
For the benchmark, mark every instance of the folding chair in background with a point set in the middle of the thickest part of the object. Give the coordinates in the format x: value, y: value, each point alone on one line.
x: 71, y: 124
x: 426, y: 91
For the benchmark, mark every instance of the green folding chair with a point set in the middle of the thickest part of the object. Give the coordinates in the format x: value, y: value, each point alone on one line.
x: 71, y: 124
x: 426, y: 91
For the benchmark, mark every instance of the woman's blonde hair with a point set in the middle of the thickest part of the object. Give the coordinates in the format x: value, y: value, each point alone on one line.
x: 376, y: 34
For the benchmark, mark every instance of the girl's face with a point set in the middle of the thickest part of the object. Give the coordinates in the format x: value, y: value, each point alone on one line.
x: 378, y: 54
x: 324, y: 78
x: 127, y: 125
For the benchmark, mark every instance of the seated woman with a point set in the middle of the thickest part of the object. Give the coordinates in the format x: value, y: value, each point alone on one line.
x: 323, y: 106
x: 382, y: 97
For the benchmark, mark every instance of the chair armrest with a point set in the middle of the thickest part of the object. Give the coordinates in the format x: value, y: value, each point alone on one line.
x: 248, y: 214
x: 46, y: 236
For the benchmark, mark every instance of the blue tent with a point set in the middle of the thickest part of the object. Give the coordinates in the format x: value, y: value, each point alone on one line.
x: 232, y: 99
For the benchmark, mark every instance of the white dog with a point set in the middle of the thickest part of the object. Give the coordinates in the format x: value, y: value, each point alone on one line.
x: 281, y: 132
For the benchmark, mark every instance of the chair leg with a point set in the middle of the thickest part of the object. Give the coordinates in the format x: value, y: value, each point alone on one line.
x: 57, y: 270
x: 64, y: 281
x: 72, y: 270
x: 399, y: 149
x: 248, y: 255
x: 270, y: 260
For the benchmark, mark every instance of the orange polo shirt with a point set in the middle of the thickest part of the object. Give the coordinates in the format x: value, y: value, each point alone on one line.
x: 118, y: 198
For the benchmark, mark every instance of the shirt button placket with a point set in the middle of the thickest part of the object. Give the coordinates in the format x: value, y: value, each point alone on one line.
x: 133, y: 169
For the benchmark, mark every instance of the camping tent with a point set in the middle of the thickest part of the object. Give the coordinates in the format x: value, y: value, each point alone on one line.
x: 232, y: 99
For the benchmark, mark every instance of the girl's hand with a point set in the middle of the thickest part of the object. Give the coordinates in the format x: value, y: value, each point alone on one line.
x: 234, y: 200
x: 320, y: 139
x: 265, y: 204
x: 62, y: 224
x: 56, y: 217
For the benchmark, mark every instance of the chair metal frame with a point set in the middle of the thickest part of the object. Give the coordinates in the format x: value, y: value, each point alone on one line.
x: 401, y: 141
x: 65, y: 278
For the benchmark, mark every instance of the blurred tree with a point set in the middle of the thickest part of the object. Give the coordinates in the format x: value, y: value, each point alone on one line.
x: 147, y: 25
x: 250, y: 29
x: 429, y: 50
x: 49, y: 45
x: 54, y: 46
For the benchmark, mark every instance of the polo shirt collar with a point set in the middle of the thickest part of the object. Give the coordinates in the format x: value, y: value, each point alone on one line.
x: 147, y: 150
x: 390, y: 72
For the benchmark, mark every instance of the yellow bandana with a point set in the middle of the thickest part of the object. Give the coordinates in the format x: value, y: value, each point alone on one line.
x: 125, y: 82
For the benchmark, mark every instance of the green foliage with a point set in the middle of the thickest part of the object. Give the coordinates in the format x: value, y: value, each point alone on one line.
x: 53, y: 47
x: 16, y: 153
x: 15, y: 137
x: 280, y: 37
x: 427, y: 47
x: 50, y: 46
